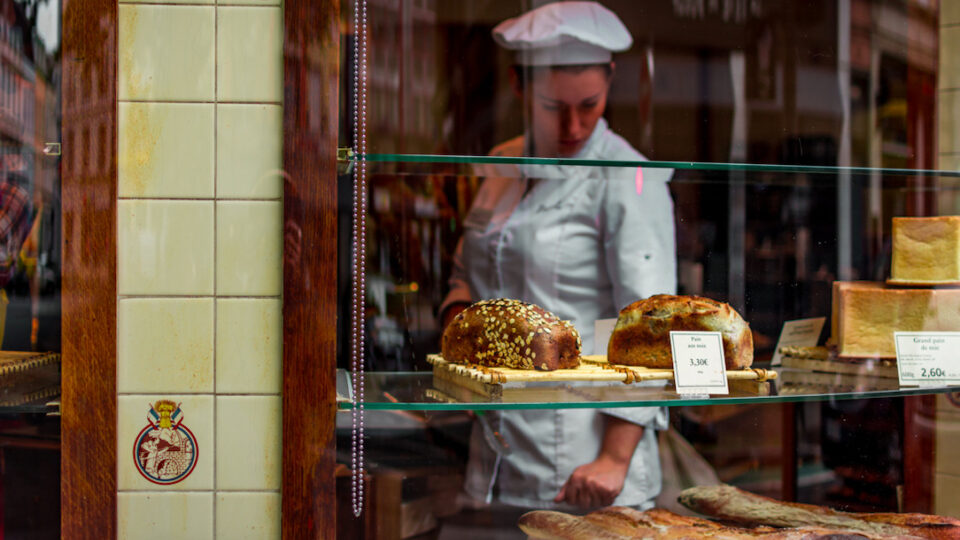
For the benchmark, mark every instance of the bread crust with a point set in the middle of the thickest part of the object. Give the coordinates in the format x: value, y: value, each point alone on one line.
x: 620, y: 523
x: 735, y: 505
x: 511, y: 333
x: 641, y: 336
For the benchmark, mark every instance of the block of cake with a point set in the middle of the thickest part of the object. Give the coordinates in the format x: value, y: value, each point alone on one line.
x: 866, y: 314
x: 926, y: 251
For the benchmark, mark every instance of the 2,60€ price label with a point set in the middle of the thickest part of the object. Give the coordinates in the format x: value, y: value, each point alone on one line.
x: 928, y: 358
x: 698, y: 363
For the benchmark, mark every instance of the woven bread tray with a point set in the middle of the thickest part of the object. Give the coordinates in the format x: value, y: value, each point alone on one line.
x: 489, y: 381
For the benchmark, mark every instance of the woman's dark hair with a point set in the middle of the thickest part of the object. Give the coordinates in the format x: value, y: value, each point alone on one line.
x: 527, y: 73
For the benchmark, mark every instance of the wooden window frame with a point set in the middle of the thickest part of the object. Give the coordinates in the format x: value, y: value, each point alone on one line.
x: 89, y: 299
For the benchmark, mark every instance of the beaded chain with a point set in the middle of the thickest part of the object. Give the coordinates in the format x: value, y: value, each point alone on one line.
x: 357, y: 337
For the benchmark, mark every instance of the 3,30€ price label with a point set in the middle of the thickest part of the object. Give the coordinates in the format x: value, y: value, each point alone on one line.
x: 928, y: 358
x: 698, y: 363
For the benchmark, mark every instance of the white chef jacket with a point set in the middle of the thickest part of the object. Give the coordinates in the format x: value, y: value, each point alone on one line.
x: 583, y: 242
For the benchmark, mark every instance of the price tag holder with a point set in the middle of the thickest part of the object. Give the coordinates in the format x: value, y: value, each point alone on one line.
x: 698, y: 364
x: 928, y: 358
x: 602, y: 328
x: 799, y: 333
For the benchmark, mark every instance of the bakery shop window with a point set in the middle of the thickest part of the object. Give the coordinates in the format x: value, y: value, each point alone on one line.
x: 714, y: 166
x: 806, y: 84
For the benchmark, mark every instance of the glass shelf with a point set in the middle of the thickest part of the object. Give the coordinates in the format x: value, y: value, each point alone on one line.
x: 436, y: 159
x: 415, y: 390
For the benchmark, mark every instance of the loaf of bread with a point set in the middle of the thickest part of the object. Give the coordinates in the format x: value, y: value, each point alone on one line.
x: 735, y: 505
x: 620, y: 523
x: 510, y: 333
x: 926, y: 249
x: 641, y: 336
x: 866, y: 314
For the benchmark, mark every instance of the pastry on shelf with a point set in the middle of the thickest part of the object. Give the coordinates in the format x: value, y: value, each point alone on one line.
x: 641, y: 336
x: 511, y: 333
x: 866, y: 314
x: 926, y: 251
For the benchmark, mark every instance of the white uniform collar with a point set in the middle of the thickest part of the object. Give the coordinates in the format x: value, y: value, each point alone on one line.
x: 590, y: 150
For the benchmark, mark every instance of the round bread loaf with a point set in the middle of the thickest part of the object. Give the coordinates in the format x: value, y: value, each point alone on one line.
x: 642, y: 334
x: 511, y: 333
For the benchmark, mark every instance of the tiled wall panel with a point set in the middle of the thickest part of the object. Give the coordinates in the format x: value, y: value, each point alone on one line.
x: 249, y: 147
x: 249, y: 40
x: 166, y: 150
x: 165, y: 345
x: 199, y: 268
x: 166, y: 53
x: 162, y: 516
x: 133, y: 416
x: 248, y: 516
x: 249, y: 338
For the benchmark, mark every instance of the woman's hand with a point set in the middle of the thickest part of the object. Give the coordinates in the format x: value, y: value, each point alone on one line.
x: 599, y: 482
x: 595, y: 484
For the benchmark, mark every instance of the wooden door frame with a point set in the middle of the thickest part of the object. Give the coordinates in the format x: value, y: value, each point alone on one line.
x: 89, y: 298
x: 310, y: 135
x: 88, y: 467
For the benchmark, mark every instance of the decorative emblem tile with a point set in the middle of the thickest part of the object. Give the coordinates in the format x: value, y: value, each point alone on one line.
x: 165, y: 451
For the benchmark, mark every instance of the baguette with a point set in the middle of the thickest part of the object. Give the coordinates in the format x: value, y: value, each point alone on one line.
x: 735, y: 505
x: 620, y: 523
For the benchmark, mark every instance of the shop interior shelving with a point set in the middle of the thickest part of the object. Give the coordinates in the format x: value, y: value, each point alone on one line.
x: 844, y: 189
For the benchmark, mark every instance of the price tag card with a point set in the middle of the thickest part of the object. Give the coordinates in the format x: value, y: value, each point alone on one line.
x: 602, y: 328
x: 928, y: 358
x: 698, y: 363
x: 799, y: 333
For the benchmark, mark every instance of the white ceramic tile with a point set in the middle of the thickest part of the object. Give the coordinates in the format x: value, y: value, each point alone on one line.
x: 946, y: 495
x: 248, y: 442
x: 948, y: 120
x: 249, y: 240
x: 949, y: 12
x: 949, y: 71
x: 248, y: 516
x: 165, y: 150
x: 166, y: 53
x: 949, y: 162
x: 249, y: 151
x: 249, y: 54
x: 165, y: 247
x: 165, y: 345
x: 251, y: 2
x: 195, y: 419
x: 249, y: 346
x: 164, y: 516
x: 166, y: 1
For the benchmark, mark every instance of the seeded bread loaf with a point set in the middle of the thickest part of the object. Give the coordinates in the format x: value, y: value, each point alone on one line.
x: 510, y: 333
x: 641, y: 336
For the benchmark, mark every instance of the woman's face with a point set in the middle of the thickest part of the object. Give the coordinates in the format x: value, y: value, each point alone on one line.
x: 564, y: 107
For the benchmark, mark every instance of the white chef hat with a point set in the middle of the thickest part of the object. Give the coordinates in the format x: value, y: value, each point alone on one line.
x: 564, y: 33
